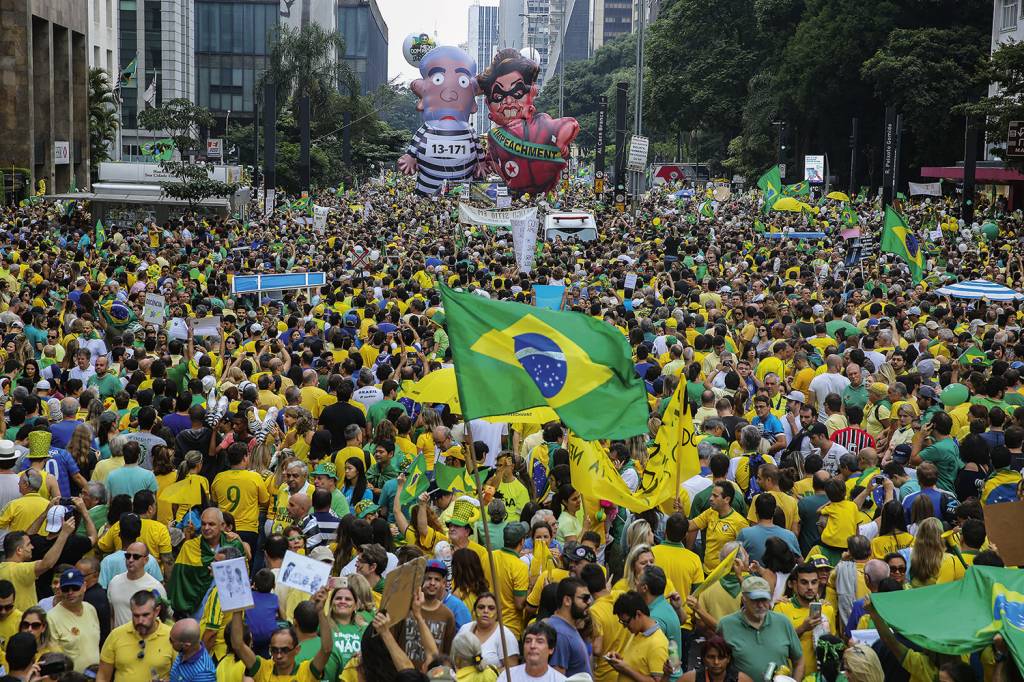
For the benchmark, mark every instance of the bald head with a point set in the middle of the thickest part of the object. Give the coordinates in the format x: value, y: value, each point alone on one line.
x: 298, y: 506
x: 834, y: 363
x: 185, y: 632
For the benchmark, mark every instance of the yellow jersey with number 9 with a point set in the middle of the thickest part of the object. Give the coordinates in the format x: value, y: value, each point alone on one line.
x: 240, y: 492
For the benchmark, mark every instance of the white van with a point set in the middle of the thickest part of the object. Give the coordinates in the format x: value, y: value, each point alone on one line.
x: 575, y: 224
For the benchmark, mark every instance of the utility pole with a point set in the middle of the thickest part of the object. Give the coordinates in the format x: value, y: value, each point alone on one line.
x: 561, y: 64
x: 638, y: 123
x: 854, y: 124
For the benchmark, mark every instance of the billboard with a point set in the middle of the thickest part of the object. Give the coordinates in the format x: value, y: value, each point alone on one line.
x: 814, y: 168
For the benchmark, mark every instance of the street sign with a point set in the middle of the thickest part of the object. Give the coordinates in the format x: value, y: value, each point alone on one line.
x: 1015, y: 139
x: 782, y: 170
x: 215, y: 148
x: 61, y: 153
x: 638, y: 146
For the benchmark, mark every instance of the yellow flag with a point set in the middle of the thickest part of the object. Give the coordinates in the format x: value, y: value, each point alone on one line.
x: 542, y: 560
x: 720, y: 571
x: 187, y: 492
x: 675, y: 441
x: 596, y: 478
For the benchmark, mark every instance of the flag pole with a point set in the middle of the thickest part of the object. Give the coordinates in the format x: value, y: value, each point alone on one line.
x: 471, y: 461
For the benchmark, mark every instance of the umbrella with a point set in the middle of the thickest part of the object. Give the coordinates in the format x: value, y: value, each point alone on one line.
x: 790, y: 204
x: 386, y: 327
x: 437, y: 387
x: 981, y: 288
x: 832, y: 326
x: 838, y: 196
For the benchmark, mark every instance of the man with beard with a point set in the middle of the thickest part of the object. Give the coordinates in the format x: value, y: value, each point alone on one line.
x: 570, y: 656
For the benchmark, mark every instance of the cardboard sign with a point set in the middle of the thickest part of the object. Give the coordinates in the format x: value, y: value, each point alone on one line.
x: 1002, y: 526
x: 206, y: 326
x: 401, y: 585
x: 232, y: 580
x: 153, y: 310
x: 320, y: 218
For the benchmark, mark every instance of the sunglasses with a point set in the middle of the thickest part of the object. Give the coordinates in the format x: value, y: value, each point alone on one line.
x: 142, y: 650
x: 35, y: 625
x: 66, y: 589
x: 133, y: 556
x: 281, y: 650
x: 6, y: 608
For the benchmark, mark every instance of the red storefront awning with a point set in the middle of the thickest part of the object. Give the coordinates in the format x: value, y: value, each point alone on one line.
x: 983, y: 174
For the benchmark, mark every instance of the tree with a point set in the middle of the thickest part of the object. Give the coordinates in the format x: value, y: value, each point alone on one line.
x: 306, y: 68
x: 925, y: 73
x: 182, y: 120
x: 1006, y: 69
x: 103, y: 121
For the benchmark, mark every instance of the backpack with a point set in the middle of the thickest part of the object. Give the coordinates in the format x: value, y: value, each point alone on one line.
x: 754, y: 462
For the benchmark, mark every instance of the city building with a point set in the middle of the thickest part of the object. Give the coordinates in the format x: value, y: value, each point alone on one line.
x: 483, y: 43
x: 568, y: 33
x: 44, y: 64
x: 233, y: 45
x: 103, y: 35
x: 511, y: 29
x: 612, y: 18
x: 366, y: 41
x: 536, y: 26
x: 159, y: 36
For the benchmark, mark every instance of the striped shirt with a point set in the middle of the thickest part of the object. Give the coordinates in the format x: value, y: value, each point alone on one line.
x: 199, y: 668
x: 444, y: 150
x: 853, y: 438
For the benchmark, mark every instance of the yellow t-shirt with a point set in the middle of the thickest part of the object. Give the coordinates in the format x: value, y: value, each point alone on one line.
x: 786, y: 503
x: 797, y: 615
x: 886, y: 544
x: 743, y: 470
x: 23, y: 576
x: 841, y: 522
x: 717, y: 532
x: 154, y: 535
x: 770, y: 364
x: 163, y: 509
x: 513, y: 580
x: 78, y: 636
x: 20, y: 513
x: 645, y: 653
x: 427, y: 542
x: 9, y: 627
x: 230, y: 669
x: 242, y: 493
x: 215, y: 619
x: 344, y: 454
x: 122, y: 651
x: 613, y: 635
x: 302, y: 673
x: 682, y: 568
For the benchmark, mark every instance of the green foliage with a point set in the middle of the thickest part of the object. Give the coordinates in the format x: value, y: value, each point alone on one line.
x: 1005, y: 67
x: 922, y: 71
x: 182, y: 120
x: 103, y: 120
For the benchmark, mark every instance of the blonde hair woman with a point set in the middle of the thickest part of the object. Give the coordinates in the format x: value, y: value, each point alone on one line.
x: 930, y: 564
x: 639, y: 558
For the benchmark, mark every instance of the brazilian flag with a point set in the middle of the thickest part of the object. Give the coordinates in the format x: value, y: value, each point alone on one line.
x: 101, y: 234
x: 512, y: 356
x: 416, y: 482
x: 799, y: 189
x: 898, y: 239
x: 849, y: 217
x: 707, y: 209
x: 1000, y: 486
x: 453, y: 478
x: 771, y: 184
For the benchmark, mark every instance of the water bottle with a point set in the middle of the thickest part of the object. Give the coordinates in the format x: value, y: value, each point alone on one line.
x: 769, y: 673
x: 673, y: 657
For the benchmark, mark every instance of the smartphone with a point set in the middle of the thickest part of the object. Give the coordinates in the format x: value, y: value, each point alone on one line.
x: 336, y: 581
x: 815, y: 609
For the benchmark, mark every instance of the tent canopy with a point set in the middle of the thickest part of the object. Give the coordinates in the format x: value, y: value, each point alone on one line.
x: 981, y: 288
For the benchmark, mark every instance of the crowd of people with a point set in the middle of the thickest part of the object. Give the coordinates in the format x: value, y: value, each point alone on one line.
x: 851, y: 426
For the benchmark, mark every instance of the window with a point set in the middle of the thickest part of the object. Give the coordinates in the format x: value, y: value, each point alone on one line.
x: 1009, y: 15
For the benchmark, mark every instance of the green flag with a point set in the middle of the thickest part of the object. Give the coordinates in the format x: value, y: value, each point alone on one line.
x: 453, y: 478
x: 988, y: 600
x: 898, y: 239
x: 849, y: 217
x: 799, y: 189
x: 341, y: 190
x: 771, y: 184
x: 416, y: 482
x: 579, y: 366
x: 101, y: 234
x: 128, y: 72
x: 707, y: 209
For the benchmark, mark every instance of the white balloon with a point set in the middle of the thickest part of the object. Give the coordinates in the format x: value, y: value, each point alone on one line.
x: 416, y: 45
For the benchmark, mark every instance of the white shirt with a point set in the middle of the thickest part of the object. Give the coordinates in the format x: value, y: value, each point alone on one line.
x: 490, y: 434
x: 121, y: 589
x: 490, y: 650
x: 82, y: 374
x: 826, y: 383
x: 552, y: 675
x: 350, y: 567
x: 368, y: 395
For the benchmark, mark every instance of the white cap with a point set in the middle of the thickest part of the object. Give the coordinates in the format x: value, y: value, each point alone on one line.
x: 55, y: 518
x: 256, y: 327
x: 43, y: 385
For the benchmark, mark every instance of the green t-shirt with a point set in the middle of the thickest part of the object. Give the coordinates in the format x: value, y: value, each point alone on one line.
x: 347, y: 642
x: 754, y: 650
x: 109, y: 385
x: 855, y: 396
x: 378, y: 412
x: 944, y: 454
x: 178, y: 375
x: 702, y: 500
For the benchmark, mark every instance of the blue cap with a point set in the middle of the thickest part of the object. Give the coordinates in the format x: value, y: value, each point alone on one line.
x: 437, y: 566
x: 72, y: 578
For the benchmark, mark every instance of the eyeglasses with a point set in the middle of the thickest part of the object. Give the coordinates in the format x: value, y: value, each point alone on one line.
x: 625, y: 621
x: 32, y: 625
x: 281, y: 650
x: 133, y: 556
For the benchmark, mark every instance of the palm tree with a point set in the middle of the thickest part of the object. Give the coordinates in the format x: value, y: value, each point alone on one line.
x: 305, y: 66
x: 103, y: 121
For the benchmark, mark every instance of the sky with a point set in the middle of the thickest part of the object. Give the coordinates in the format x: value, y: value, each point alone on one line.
x: 449, y: 18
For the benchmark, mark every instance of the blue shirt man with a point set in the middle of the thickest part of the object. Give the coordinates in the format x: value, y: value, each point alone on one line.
x: 193, y: 662
x: 571, y: 655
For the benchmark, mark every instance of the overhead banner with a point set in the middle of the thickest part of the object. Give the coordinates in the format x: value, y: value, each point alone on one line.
x: 929, y: 189
x: 814, y: 168
x: 471, y: 215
